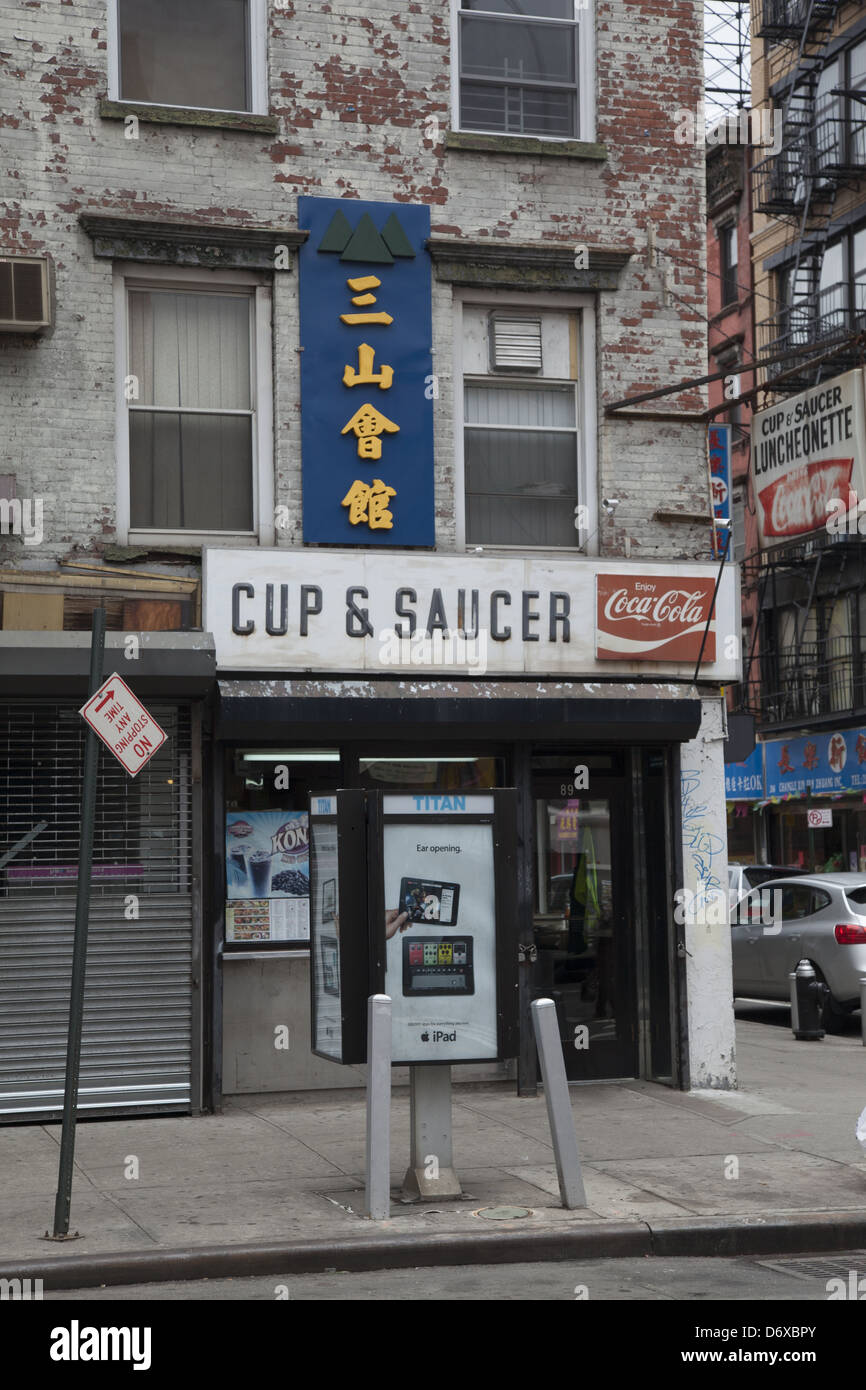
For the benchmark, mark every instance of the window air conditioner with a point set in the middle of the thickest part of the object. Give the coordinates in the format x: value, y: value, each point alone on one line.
x: 25, y: 294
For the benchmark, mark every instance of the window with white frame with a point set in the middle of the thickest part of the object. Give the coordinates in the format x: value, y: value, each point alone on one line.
x: 522, y: 65
x: 203, y: 54
x: 191, y: 394
x: 520, y: 435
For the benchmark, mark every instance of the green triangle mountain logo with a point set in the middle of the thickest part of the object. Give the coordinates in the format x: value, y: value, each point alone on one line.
x: 366, y: 244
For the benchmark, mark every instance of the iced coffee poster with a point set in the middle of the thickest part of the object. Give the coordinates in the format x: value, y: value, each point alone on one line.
x: 268, y: 864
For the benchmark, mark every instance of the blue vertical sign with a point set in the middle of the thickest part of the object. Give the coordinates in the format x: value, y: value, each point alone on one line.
x: 720, y: 477
x: 367, y: 383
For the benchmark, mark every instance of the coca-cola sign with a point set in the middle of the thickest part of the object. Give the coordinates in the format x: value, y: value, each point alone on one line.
x: 807, y: 452
x: 796, y: 504
x: 653, y: 618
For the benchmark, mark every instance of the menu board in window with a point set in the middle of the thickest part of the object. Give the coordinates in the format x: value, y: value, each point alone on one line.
x: 267, y: 876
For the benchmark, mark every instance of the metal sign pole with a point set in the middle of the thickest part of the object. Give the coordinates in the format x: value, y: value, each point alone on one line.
x: 63, y: 1199
x: 430, y: 1174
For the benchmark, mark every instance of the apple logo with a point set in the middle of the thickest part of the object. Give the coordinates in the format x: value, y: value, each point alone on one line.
x: 425, y: 1037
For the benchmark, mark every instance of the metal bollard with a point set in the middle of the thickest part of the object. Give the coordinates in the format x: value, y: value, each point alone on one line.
x: 378, y: 1152
x: 558, y: 1104
x: 795, y: 1009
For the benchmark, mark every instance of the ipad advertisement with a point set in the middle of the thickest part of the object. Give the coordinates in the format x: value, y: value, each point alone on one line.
x: 441, y: 966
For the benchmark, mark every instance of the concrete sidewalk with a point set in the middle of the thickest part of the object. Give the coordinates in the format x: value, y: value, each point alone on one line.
x: 276, y: 1182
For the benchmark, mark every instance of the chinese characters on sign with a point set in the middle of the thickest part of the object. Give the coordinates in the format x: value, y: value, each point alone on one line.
x: 719, y: 442
x: 824, y: 762
x: 367, y: 412
x: 745, y: 781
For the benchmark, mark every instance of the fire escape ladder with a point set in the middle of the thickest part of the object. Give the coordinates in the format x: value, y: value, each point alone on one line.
x: 754, y: 706
x: 799, y: 185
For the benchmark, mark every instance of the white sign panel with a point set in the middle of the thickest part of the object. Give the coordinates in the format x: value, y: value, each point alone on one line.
x: 441, y: 967
x: 819, y: 820
x: 809, y: 459
x: 439, y: 615
x: 123, y: 724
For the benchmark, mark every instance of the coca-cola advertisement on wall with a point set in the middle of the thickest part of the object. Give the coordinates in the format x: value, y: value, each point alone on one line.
x: 654, y: 618
x: 808, y: 459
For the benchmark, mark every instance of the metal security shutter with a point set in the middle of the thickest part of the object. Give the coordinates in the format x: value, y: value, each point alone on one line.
x: 137, y: 1036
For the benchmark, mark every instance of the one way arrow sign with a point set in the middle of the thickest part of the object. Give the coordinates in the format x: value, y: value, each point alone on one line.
x: 123, y: 724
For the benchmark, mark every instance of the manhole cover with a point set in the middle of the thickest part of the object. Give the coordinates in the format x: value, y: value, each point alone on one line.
x: 503, y: 1213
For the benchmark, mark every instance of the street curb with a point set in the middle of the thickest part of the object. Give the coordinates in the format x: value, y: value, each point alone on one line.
x: 779, y: 1235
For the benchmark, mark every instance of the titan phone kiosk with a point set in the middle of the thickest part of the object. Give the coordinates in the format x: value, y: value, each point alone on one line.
x: 414, y: 895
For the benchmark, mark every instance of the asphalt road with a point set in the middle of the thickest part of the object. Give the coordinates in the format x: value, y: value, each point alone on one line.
x: 621, y: 1280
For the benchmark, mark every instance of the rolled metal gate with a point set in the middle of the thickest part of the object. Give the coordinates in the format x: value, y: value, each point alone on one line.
x: 137, y: 1037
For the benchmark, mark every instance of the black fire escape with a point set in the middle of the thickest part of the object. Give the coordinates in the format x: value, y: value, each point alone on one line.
x: 823, y: 150
x: 805, y: 664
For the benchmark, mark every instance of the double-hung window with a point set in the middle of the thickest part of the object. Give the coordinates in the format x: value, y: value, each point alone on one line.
x: 195, y: 417
x: 521, y: 436
x: 523, y: 65
x: 201, y: 54
x: 728, y: 259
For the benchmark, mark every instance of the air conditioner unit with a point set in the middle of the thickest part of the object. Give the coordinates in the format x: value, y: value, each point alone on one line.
x: 515, y: 343
x: 26, y: 301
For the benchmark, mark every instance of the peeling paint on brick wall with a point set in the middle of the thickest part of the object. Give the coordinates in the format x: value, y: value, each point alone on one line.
x: 358, y: 92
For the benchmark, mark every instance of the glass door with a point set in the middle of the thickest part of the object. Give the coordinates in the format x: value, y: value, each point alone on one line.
x: 582, y: 927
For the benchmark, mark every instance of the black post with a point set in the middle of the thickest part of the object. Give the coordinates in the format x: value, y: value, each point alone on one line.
x: 63, y: 1199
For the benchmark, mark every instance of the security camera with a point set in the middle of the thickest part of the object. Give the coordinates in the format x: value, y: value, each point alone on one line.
x: 610, y: 504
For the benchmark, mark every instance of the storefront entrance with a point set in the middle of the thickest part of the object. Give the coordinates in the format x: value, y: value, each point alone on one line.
x: 597, y: 862
x: 583, y: 932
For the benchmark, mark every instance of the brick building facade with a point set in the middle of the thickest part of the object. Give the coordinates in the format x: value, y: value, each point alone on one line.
x: 542, y: 143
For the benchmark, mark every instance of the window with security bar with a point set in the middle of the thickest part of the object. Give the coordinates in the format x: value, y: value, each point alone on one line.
x: 520, y: 66
x: 520, y: 438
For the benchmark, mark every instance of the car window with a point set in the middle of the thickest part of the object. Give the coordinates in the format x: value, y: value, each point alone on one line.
x: 856, y: 895
x: 758, y: 876
x: 796, y: 902
x: 763, y: 873
x: 750, y: 909
x: 820, y: 899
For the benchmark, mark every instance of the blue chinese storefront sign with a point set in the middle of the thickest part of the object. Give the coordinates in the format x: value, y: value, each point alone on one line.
x: 831, y: 762
x: 720, y: 478
x: 745, y: 781
x: 367, y: 382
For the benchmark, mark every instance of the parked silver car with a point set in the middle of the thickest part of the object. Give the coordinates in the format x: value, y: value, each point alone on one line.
x: 820, y: 918
x: 742, y: 878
